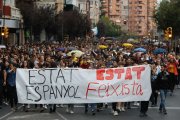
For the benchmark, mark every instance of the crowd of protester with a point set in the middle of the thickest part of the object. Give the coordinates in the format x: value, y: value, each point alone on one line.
x: 165, y: 69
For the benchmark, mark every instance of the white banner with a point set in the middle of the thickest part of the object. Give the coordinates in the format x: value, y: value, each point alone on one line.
x: 55, y: 85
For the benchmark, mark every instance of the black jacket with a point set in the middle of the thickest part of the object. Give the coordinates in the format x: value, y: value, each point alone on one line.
x: 163, y: 81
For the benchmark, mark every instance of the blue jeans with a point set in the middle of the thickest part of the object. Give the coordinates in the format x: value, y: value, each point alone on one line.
x: 163, y: 94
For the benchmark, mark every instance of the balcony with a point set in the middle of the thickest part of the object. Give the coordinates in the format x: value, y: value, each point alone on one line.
x: 15, y: 13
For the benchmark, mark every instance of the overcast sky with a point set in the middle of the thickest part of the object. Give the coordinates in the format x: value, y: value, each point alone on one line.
x: 159, y: 1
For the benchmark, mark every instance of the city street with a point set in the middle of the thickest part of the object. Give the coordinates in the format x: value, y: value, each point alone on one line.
x: 173, y: 109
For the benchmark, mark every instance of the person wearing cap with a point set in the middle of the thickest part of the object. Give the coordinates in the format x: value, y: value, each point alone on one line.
x: 163, y: 85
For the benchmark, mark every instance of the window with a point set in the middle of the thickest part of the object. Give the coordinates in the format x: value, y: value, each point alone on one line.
x: 140, y: 2
x: 139, y: 7
x: 91, y: 2
x: 139, y: 12
x: 125, y: 7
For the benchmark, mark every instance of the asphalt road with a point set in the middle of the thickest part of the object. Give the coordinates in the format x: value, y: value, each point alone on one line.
x: 172, y: 103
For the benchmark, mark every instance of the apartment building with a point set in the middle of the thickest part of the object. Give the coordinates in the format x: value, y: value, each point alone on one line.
x: 140, y: 20
x: 112, y: 9
x: 134, y: 16
x: 124, y: 15
x: 94, y: 11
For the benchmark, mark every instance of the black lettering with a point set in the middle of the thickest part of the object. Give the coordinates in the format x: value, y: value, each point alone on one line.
x: 42, y: 76
x: 60, y: 75
x: 51, y: 74
x: 57, y: 90
x: 40, y: 97
x: 28, y: 93
x: 31, y: 76
x: 66, y: 90
x: 52, y: 92
x: 69, y: 91
x: 71, y: 75
x: 45, y: 90
x: 76, y: 92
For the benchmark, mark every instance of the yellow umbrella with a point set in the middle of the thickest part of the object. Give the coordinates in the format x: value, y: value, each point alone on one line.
x: 78, y: 53
x: 127, y: 45
x: 103, y: 46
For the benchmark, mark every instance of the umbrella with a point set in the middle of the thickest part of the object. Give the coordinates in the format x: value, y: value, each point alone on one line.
x: 103, y: 46
x: 159, y: 51
x: 60, y: 49
x: 108, y: 41
x: 159, y: 43
x: 127, y: 45
x: 2, y: 46
x: 72, y: 48
x: 138, y: 54
x: 139, y: 50
x: 130, y: 40
x: 78, y: 53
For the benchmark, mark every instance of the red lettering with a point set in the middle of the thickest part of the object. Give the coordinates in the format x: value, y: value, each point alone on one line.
x: 138, y: 70
x: 128, y: 74
x: 119, y: 72
x: 110, y: 73
x: 139, y: 90
x: 128, y: 90
x: 107, y: 90
x: 99, y: 74
x: 134, y: 86
x: 88, y: 88
x: 100, y: 88
x: 122, y: 90
x: 115, y: 89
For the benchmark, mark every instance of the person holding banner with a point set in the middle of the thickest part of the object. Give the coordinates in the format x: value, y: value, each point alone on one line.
x: 85, y: 64
x: 154, y: 94
x: 51, y: 64
x: 25, y: 65
x: 11, y: 83
x: 70, y: 107
x: 1, y: 82
x: 40, y: 63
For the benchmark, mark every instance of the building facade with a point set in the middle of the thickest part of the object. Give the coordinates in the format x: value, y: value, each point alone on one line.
x: 134, y: 16
x: 57, y: 4
x: 12, y: 19
x: 124, y: 11
x: 94, y: 11
x: 88, y: 7
x: 112, y: 9
x: 140, y: 20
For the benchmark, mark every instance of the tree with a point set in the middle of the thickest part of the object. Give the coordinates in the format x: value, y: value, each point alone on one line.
x: 107, y: 28
x: 36, y: 19
x: 168, y: 15
x: 73, y: 24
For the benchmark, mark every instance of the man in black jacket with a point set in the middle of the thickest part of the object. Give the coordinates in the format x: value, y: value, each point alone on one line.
x: 163, y: 85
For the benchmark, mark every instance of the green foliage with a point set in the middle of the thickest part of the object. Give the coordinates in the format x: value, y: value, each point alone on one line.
x: 73, y: 23
x: 107, y: 28
x: 70, y: 23
x: 168, y: 15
